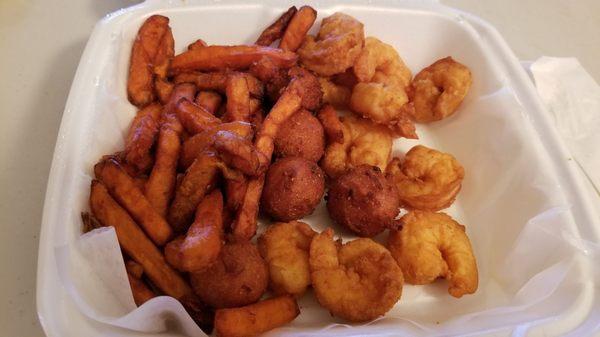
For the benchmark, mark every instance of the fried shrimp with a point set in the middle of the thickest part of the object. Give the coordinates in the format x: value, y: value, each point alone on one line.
x: 432, y: 245
x: 363, y: 143
x: 427, y: 179
x: 336, y: 46
x: 359, y: 281
x: 438, y: 90
x: 379, y: 62
x: 285, y: 247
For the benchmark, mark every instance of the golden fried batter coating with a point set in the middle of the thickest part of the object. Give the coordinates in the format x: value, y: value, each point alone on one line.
x: 358, y: 282
x: 363, y: 143
x: 239, y: 277
x: 363, y: 200
x: 432, y: 245
x: 285, y: 247
x: 427, y: 179
x: 293, y: 188
x: 438, y: 90
x: 335, y: 48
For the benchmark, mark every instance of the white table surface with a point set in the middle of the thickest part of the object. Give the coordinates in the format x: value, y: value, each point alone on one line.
x: 41, y: 42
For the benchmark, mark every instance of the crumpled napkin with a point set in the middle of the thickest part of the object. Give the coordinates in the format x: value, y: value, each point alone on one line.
x: 572, y: 97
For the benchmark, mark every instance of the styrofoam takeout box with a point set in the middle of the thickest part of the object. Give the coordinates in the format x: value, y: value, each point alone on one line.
x: 514, y: 161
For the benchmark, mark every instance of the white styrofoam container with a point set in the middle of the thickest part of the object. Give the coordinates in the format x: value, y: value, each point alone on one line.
x: 421, y: 31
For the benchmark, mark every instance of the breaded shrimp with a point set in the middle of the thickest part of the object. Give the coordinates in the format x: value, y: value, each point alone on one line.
x: 432, y: 245
x: 358, y: 281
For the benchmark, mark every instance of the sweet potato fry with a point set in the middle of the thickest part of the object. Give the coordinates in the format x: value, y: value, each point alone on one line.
x: 194, y: 118
x: 209, y: 100
x: 136, y: 244
x: 197, y: 44
x: 256, y: 318
x: 141, y: 292
x: 172, y: 252
x: 217, y: 81
x: 135, y: 269
x: 204, y: 140
x: 238, y: 99
x: 240, y: 153
x: 276, y: 29
x: 123, y: 189
x: 334, y: 129
x: 235, y: 190
x: 141, y: 136
x: 244, y: 225
x: 164, y: 55
x: 199, y: 179
x: 140, y: 83
x: 140, y: 181
x: 219, y: 58
x: 163, y: 90
x: 180, y: 91
x: 161, y: 184
x: 203, y: 241
x: 298, y: 27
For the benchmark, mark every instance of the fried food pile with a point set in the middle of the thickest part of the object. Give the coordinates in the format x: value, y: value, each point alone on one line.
x: 226, y: 133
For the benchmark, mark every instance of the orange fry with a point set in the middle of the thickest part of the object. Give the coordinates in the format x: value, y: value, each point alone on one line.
x: 334, y: 129
x: 203, y: 141
x: 235, y: 190
x: 296, y: 31
x: 197, y: 44
x: 141, y: 136
x: 194, y: 118
x: 215, y: 58
x: 161, y: 184
x: 164, y: 55
x: 163, y: 89
x: 203, y: 241
x: 276, y: 29
x: 240, y: 153
x: 140, y: 85
x: 256, y: 318
x: 244, y: 225
x: 238, y: 99
x: 123, y: 189
x: 135, y: 269
x: 136, y: 244
x: 172, y: 255
x: 141, y: 292
x: 217, y: 81
x: 199, y: 178
x: 209, y: 100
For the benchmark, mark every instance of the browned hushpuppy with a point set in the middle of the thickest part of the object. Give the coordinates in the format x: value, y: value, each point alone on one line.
x: 363, y: 200
x: 239, y: 277
x: 294, y: 186
x: 301, y: 136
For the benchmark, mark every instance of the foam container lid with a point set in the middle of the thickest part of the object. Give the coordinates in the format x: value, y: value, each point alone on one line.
x: 533, y: 229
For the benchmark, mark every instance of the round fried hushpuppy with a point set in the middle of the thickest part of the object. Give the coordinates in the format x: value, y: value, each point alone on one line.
x: 363, y: 200
x: 293, y: 188
x: 302, y: 136
x: 239, y: 277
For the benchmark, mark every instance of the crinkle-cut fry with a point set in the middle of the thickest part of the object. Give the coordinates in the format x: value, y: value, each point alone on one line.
x: 256, y: 318
x: 163, y: 89
x: 161, y: 184
x: 124, y: 190
x: 244, y: 225
x: 334, y: 129
x: 164, y: 54
x: 276, y: 29
x: 171, y: 252
x: 240, y: 153
x: 194, y: 118
x: 218, y: 58
x: 141, y: 292
x: 197, y: 44
x: 209, y: 100
x: 141, y: 136
x: 203, y: 141
x: 217, y: 81
x: 297, y: 28
x: 136, y: 244
x: 199, y: 179
x: 135, y: 269
x: 203, y: 241
x: 238, y: 99
x: 140, y: 85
